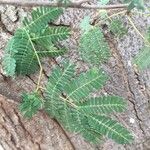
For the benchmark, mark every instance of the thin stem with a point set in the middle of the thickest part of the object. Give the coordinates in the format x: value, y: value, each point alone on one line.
x: 69, y: 102
x: 118, y: 13
x: 77, y: 4
x: 38, y: 59
x: 80, y: 2
x: 111, y: 16
x: 138, y: 32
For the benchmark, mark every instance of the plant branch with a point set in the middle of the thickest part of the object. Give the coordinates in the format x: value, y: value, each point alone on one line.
x: 40, y: 65
x: 77, y: 4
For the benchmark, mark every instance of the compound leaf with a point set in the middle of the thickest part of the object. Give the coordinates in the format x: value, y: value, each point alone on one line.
x: 40, y: 18
x: 9, y: 65
x: 34, y: 41
x: 26, y: 60
x: 30, y: 104
x: 64, y: 102
x: 118, y: 28
x: 103, y: 2
x: 53, y: 34
x: 93, y: 47
x: 143, y: 58
x: 139, y: 4
x: 80, y: 87
x: 103, y: 105
x: 110, y: 128
x: 85, y: 24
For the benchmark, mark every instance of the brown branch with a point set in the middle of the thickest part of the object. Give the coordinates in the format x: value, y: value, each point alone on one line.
x: 78, y: 4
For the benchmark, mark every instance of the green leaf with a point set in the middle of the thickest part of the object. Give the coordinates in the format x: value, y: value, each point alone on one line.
x: 26, y: 60
x: 52, y: 52
x: 53, y: 34
x: 93, y: 47
x: 142, y: 60
x: 66, y: 2
x: 103, y: 105
x: 10, y: 49
x: 139, y: 4
x: 68, y: 100
x: 45, y: 48
x: 41, y: 17
x: 118, y: 28
x: 44, y: 41
x: 112, y: 129
x: 103, y: 14
x: 9, y: 65
x: 80, y: 87
x: 8, y: 61
x: 103, y: 2
x: 59, y: 79
x: 30, y: 104
x: 85, y: 24
x: 148, y: 34
x: 34, y: 41
x: 91, y: 136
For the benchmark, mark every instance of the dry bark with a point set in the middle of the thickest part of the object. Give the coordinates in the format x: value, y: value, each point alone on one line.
x: 40, y: 133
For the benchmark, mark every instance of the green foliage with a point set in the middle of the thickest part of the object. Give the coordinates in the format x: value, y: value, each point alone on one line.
x: 103, y: 2
x: 103, y: 14
x: 103, y: 105
x: 148, y: 34
x: 40, y: 18
x: 139, y: 4
x: 26, y: 60
x: 93, y: 47
x: 79, y: 88
x: 53, y: 34
x: 30, y: 104
x: 68, y: 100
x: 85, y: 24
x: 143, y: 58
x: 91, y: 136
x: 9, y: 64
x: 110, y: 128
x: 67, y: 95
x: 118, y: 28
x: 64, y: 1
x: 35, y: 40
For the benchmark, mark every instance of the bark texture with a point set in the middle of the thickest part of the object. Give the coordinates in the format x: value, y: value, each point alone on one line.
x: 40, y: 133
x: 44, y: 133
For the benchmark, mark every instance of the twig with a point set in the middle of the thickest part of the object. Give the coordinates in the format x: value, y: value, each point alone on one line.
x: 138, y: 32
x: 110, y: 17
x: 40, y: 65
x: 82, y: 2
x: 77, y: 4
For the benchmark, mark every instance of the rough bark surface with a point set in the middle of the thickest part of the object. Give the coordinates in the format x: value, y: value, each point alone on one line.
x: 44, y: 133
x: 40, y: 133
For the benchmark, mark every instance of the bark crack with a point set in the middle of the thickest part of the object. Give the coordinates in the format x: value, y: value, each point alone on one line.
x: 4, y: 28
x: 121, y: 66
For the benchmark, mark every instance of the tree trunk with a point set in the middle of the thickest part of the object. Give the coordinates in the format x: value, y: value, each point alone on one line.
x: 45, y: 133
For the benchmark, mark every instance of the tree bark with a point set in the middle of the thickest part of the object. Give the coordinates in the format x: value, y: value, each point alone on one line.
x: 40, y: 133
